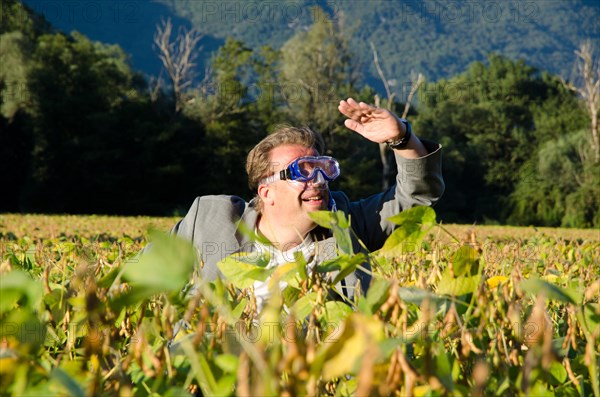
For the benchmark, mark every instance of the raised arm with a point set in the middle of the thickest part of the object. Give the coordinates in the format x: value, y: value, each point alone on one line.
x: 418, y: 182
x: 379, y: 125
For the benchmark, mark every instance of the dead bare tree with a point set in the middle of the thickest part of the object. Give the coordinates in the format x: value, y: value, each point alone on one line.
x: 178, y: 57
x: 383, y: 150
x: 588, y: 88
x: 155, y: 86
x: 419, y: 80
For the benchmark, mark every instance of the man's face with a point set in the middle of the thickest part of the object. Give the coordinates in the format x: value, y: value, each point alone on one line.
x: 289, y: 201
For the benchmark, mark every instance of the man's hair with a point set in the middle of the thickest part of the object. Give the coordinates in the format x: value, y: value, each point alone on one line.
x: 258, y: 163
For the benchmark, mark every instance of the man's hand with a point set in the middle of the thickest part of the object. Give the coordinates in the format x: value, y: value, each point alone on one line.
x: 375, y: 124
x: 379, y: 125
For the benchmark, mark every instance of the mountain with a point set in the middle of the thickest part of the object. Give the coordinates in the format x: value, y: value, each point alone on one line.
x: 438, y: 38
x: 130, y: 24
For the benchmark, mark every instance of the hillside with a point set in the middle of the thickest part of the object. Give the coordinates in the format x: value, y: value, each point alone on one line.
x: 434, y: 37
x: 440, y: 37
x: 437, y: 38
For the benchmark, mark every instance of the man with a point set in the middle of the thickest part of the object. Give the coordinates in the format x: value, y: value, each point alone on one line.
x: 291, y: 181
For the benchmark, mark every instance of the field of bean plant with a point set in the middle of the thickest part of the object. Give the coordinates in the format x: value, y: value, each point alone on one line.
x: 451, y: 310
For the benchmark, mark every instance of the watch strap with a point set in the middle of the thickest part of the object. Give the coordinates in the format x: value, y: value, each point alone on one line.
x: 401, y: 143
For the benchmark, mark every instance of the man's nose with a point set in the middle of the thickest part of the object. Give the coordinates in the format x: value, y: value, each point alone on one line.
x: 318, y: 179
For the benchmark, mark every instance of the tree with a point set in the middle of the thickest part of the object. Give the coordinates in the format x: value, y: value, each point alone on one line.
x: 316, y: 73
x: 19, y: 29
x: 267, y: 94
x: 588, y: 88
x: 384, y: 153
x: 77, y: 88
x: 15, y: 53
x: 556, y: 188
x: 16, y: 16
x: 560, y: 185
x: 232, y: 124
x: 178, y: 57
x: 492, y: 121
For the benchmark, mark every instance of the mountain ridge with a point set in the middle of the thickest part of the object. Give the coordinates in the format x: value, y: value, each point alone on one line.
x: 441, y: 38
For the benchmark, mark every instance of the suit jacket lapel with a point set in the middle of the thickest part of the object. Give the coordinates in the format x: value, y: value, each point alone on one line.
x: 245, y: 234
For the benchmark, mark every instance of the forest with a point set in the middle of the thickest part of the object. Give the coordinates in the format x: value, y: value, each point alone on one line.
x: 83, y: 132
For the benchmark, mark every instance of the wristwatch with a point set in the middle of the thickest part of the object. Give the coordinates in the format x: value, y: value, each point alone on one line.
x: 400, y: 143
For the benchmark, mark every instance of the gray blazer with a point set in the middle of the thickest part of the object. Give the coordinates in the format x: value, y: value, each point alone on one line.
x: 212, y: 223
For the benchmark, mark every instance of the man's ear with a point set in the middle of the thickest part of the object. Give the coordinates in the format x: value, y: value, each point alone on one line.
x: 266, y: 194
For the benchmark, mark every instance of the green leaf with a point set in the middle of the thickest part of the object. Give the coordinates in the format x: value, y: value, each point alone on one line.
x: 225, y: 385
x: 301, y: 266
x: 443, y: 367
x: 109, y: 278
x: 591, y: 314
x: 449, y: 285
x: 227, y: 362
x: 422, y: 391
x: 328, y: 219
x: 176, y: 392
x: 417, y: 295
x: 389, y: 345
x: 200, y: 368
x: 419, y: 215
x: 165, y: 267
x: 287, y: 272
x: 403, y: 240
x: 465, y: 260
x: 290, y: 295
x: 345, y: 264
x: 362, y: 306
x: 558, y: 373
x: 68, y: 382
x: 239, y: 309
x: 322, y: 218
x: 25, y: 326
x: 337, y: 222
x: 342, y: 354
x: 540, y: 389
x: 336, y: 312
x: 566, y: 390
x: 504, y: 385
x: 536, y: 286
x: 377, y: 294
x: 17, y: 285
x: 346, y: 387
x: 243, y: 269
x: 413, y: 225
x: 304, y: 305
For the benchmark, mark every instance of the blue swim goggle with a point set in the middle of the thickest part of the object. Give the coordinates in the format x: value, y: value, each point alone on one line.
x: 307, y: 168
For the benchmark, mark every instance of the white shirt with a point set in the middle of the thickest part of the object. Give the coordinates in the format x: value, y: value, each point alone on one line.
x: 278, y: 258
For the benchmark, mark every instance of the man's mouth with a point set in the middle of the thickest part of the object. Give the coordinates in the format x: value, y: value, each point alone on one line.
x: 317, y: 197
x: 313, y: 198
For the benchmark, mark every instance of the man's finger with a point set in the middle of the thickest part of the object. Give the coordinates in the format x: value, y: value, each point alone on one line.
x: 349, y: 112
x: 352, y: 102
x: 345, y: 108
x: 354, y: 125
x: 353, y: 107
x: 366, y: 107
